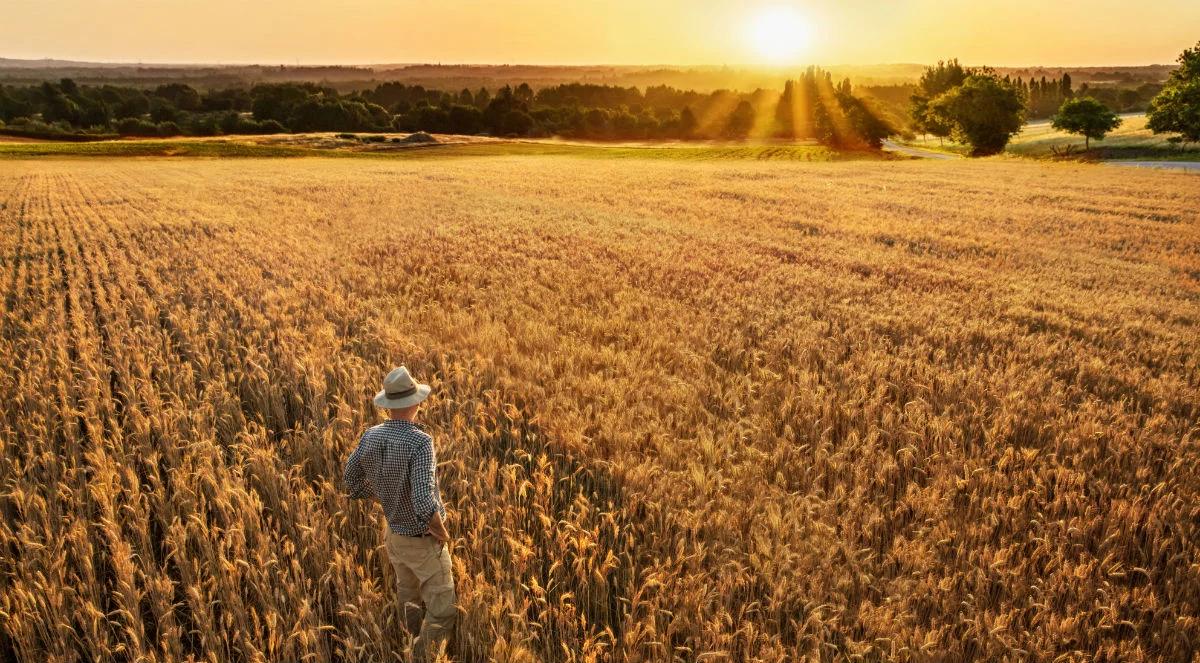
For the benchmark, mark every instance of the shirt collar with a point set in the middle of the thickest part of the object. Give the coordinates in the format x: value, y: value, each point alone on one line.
x: 404, y: 422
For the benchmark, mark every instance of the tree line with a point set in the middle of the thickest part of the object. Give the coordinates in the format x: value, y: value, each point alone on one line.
x: 978, y: 108
x: 974, y: 106
x: 812, y: 107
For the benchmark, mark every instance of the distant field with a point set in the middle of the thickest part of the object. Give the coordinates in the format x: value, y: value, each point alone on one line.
x: 687, y: 410
x: 1132, y: 141
x: 327, y: 146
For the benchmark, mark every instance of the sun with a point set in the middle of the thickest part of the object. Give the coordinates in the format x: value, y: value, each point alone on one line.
x: 778, y: 34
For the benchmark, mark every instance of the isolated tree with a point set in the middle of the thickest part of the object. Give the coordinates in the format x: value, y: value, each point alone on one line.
x: 1176, y: 109
x: 1087, y: 117
x: 983, y: 112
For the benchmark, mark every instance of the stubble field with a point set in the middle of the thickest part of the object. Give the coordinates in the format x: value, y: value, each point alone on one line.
x: 866, y: 411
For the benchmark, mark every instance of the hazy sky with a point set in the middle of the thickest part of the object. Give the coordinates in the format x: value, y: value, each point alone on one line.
x: 997, y: 32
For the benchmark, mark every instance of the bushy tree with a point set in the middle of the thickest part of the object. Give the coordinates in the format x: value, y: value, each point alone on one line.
x: 785, y: 111
x: 687, y: 123
x: 741, y: 120
x: 936, y: 80
x: 984, y: 112
x: 133, y: 105
x: 863, y: 121
x: 465, y: 119
x: 182, y: 96
x: 1087, y: 117
x: 1176, y: 109
x: 516, y: 123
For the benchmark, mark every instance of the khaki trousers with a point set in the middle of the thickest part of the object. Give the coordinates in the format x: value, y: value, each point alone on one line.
x: 424, y: 574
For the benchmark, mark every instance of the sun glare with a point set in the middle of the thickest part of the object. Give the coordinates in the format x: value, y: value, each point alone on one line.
x: 778, y: 34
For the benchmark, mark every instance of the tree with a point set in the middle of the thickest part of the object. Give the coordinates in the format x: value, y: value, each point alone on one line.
x: 1087, y: 117
x: 134, y: 105
x: 984, y: 112
x: 1176, y: 109
x: 465, y: 119
x: 516, y: 122
x: 864, y: 122
x: 162, y: 110
x: 182, y: 96
x: 741, y: 121
x: 687, y: 122
x: 935, y: 81
x: 785, y: 111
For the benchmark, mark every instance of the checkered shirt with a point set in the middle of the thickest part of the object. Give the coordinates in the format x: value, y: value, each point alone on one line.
x: 395, y: 464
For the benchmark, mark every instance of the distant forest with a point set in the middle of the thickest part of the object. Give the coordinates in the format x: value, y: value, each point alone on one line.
x: 812, y: 106
x: 106, y: 100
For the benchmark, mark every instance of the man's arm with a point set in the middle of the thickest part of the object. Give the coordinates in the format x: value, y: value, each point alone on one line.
x: 422, y: 473
x: 438, y: 528
x: 355, y: 477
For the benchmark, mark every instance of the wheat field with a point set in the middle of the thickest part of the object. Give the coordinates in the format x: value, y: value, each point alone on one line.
x: 686, y: 411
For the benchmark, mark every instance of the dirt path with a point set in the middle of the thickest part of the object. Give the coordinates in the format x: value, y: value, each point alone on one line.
x: 916, y: 151
x: 1186, y: 166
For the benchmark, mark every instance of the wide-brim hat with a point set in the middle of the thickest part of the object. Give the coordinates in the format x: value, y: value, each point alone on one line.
x: 401, y: 391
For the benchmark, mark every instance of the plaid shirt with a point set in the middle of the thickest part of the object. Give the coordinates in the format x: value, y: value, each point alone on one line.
x: 395, y: 464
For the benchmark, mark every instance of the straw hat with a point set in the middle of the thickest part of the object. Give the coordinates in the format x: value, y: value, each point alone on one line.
x: 401, y: 391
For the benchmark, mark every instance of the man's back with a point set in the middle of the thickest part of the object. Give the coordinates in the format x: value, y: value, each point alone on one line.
x: 395, y: 463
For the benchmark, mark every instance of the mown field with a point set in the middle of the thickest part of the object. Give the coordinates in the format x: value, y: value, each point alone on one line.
x: 687, y: 411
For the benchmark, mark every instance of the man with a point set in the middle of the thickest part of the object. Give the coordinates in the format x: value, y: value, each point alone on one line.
x: 395, y: 464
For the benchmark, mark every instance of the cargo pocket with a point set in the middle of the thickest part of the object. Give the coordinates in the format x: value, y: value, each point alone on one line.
x: 438, y: 591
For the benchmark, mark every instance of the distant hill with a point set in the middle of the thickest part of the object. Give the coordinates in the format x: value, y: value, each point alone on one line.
x: 454, y: 77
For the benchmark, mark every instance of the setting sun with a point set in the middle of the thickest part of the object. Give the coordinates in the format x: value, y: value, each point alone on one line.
x: 778, y: 35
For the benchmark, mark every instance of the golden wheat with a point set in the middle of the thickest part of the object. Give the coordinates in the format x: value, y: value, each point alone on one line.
x: 687, y: 411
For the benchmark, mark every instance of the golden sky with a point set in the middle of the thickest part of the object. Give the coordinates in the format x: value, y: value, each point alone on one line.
x: 681, y: 32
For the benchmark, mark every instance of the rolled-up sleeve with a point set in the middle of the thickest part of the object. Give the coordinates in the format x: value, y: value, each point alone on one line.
x: 423, y: 479
x: 355, y: 477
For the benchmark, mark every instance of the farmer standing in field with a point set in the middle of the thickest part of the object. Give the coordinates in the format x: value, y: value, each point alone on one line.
x: 395, y: 463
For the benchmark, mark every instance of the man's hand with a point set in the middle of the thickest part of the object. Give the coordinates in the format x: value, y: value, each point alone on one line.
x: 438, y: 529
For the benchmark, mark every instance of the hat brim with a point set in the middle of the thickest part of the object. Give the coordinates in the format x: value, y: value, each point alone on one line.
x: 386, y: 403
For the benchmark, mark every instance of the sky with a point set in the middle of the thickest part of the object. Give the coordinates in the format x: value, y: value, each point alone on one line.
x: 573, y: 32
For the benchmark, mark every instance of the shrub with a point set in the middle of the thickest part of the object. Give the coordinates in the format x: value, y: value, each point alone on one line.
x: 272, y: 127
x: 136, y: 126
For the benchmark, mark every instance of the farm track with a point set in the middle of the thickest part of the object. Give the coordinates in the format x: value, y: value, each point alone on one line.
x: 927, y: 413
